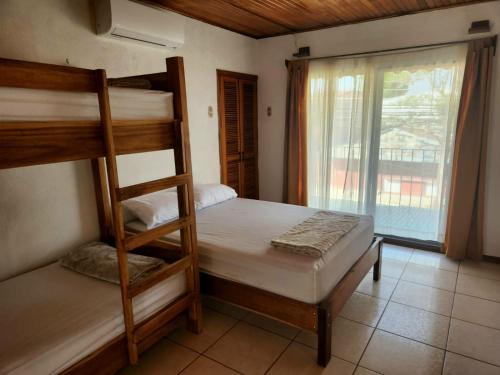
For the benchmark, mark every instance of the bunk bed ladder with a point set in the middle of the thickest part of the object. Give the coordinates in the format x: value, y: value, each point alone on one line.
x: 125, y: 242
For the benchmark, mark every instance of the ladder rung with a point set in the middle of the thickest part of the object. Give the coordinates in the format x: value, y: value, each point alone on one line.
x: 174, y: 247
x: 139, y: 239
x: 151, y: 186
x: 146, y: 328
x: 163, y: 273
x: 168, y: 251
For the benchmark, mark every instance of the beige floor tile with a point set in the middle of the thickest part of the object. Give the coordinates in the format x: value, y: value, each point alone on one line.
x: 299, y: 359
x: 363, y: 309
x: 311, y: 339
x: 364, y: 371
x: 349, y: 339
x: 477, y: 310
x: 424, y: 297
x: 205, y: 366
x: 163, y: 358
x: 478, y: 287
x: 480, y: 269
x: 394, y: 355
x: 455, y: 364
x: 436, y: 260
x: 392, y: 267
x: 248, y: 349
x: 224, y: 308
x: 272, y: 325
x: 416, y: 324
x: 430, y: 276
x: 474, y: 341
x: 396, y: 252
x: 381, y: 289
x: 214, y: 326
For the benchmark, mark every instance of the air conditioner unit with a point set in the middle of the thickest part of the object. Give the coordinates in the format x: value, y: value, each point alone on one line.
x: 131, y: 21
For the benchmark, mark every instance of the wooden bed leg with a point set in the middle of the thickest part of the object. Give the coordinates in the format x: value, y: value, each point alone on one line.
x: 195, y: 321
x: 377, y: 267
x: 324, y: 335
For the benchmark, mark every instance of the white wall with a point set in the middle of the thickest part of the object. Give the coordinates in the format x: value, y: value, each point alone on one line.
x: 46, y: 210
x: 429, y: 27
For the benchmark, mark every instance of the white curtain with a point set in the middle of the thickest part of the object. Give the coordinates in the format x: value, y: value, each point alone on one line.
x: 380, y: 137
x: 338, y: 133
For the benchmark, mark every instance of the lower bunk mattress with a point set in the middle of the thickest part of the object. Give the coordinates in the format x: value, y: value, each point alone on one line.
x: 234, y: 243
x: 51, y: 318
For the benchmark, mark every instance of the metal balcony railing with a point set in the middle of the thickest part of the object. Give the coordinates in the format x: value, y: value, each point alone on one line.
x: 408, y: 194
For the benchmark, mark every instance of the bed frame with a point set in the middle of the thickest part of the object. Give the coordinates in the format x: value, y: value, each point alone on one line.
x: 317, y: 318
x: 24, y: 143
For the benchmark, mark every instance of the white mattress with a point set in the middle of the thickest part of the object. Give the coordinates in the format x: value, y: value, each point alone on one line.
x: 52, y: 317
x: 234, y: 243
x: 18, y: 104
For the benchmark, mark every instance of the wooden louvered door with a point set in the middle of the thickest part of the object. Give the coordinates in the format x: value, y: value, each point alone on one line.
x: 229, y: 132
x: 238, y: 132
x: 248, y: 121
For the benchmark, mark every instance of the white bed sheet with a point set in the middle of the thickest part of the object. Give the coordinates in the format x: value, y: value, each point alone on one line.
x: 17, y: 104
x: 52, y: 317
x: 234, y: 243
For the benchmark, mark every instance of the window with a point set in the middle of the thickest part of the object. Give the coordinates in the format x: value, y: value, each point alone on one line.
x: 380, y: 137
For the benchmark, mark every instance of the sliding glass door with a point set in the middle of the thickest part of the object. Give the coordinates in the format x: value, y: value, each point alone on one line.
x: 381, y: 138
x: 416, y: 125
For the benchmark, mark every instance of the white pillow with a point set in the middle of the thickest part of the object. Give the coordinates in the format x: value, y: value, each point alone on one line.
x: 206, y: 195
x: 155, y: 208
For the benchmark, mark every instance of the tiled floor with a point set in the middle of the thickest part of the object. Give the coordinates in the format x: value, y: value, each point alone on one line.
x: 427, y: 315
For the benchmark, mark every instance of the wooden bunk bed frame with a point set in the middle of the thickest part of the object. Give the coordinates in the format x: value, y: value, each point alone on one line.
x: 24, y: 143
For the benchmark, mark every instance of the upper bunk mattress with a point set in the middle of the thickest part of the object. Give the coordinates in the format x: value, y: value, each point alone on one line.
x: 234, y: 243
x: 18, y: 104
x: 51, y: 318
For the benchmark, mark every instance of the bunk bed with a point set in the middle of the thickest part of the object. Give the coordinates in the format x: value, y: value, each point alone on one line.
x: 53, y: 319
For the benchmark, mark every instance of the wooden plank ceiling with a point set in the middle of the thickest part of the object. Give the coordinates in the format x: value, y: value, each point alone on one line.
x: 266, y: 18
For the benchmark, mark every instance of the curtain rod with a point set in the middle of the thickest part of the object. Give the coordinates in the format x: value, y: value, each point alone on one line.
x: 494, y: 38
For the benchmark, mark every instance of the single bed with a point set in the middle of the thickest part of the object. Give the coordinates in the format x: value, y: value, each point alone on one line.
x: 52, y: 317
x: 240, y: 266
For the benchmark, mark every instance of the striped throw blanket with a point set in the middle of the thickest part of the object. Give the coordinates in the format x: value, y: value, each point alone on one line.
x: 317, y: 234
